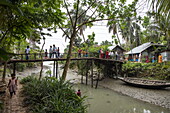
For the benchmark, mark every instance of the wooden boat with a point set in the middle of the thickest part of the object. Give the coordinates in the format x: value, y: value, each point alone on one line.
x: 151, y: 84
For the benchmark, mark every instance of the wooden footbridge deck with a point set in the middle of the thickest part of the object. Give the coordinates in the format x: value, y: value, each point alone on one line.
x: 36, y: 57
x: 60, y: 59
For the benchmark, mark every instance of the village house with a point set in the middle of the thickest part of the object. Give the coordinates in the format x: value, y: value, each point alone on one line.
x: 117, y: 50
x: 144, y: 52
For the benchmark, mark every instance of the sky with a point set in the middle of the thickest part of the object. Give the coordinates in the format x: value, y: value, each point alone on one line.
x: 101, y: 31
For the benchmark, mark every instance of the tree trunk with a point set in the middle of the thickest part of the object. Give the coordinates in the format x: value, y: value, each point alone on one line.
x: 68, y: 57
x: 41, y: 59
x: 118, y: 39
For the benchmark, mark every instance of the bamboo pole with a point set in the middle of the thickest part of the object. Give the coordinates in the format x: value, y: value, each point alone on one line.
x: 97, y: 80
x: 91, y: 73
x: 54, y: 69
x: 82, y: 79
x: 116, y: 70
x: 57, y: 69
x: 86, y: 71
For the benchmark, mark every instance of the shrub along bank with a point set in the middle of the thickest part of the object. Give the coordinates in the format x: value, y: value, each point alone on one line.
x: 50, y: 95
x: 159, y: 71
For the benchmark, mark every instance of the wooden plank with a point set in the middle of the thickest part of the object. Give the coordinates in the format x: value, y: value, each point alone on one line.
x: 54, y: 69
x: 57, y: 69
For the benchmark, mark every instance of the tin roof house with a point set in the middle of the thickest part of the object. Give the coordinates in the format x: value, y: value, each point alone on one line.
x: 117, y: 48
x: 145, y: 49
x: 118, y: 52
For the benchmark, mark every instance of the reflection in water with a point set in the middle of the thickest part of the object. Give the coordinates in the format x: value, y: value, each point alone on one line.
x: 107, y: 101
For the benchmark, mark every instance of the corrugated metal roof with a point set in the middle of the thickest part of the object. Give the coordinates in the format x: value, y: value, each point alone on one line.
x: 142, y: 47
x: 112, y: 47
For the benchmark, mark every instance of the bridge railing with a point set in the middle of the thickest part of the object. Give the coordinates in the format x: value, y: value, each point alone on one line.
x: 35, y: 56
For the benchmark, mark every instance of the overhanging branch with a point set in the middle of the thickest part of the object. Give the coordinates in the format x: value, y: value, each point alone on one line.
x: 68, y: 13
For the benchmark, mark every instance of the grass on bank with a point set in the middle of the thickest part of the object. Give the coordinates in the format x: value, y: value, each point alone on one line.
x: 50, y: 95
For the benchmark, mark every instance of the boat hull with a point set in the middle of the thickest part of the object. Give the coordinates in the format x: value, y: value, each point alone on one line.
x: 149, y: 86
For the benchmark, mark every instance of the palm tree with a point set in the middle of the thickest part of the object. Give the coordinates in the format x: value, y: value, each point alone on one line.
x: 114, y: 27
x: 82, y: 17
x: 162, y: 7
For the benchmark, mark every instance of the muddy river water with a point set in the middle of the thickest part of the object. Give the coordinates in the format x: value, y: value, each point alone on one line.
x: 102, y: 100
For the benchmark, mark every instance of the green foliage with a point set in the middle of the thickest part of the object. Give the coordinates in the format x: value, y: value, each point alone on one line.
x: 50, y: 95
x: 83, y: 67
x: 48, y: 72
x: 147, y: 70
x: 73, y: 64
x: 27, y: 79
x: 20, y: 66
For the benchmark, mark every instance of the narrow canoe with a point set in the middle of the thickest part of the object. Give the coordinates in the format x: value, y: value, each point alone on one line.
x: 151, y: 84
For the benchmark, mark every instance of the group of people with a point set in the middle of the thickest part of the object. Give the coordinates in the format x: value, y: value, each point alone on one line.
x: 139, y: 58
x: 109, y: 55
x: 54, y: 52
x: 82, y: 52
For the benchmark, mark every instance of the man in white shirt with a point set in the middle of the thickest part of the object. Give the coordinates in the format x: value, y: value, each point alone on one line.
x: 27, y: 51
x: 54, y: 51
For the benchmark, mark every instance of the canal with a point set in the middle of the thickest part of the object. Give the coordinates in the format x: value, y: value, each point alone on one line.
x: 104, y: 100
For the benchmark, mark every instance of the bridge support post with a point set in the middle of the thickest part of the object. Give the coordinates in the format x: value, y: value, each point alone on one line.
x: 91, y: 73
x: 21, y: 56
x: 98, y: 78
x: 86, y: 73
x: 120, y: 69
x: 54, y: 69
x: 116, y: 67
x: 57, y: 69
x: 81, y: 79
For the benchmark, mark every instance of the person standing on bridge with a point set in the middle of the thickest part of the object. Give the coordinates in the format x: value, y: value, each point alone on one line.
x: 160, y: 58
x: 107, y: 54
x: 46, y: 54
x: 79, y: 52
x: 27, y: 51
x: 51, y: 51
x: 54, y: 51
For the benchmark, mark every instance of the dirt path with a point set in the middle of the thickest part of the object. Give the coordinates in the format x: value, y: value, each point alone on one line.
x: 14, y: 104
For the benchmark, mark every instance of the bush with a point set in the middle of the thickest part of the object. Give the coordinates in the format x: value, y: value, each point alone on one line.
x: 27, y: 79
x: 155, y: 70
x: 20, y: 66
x: 50, y: 95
